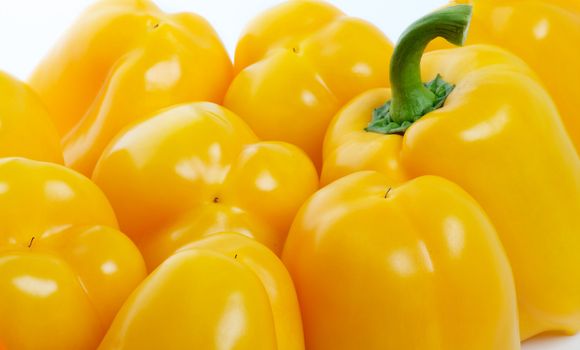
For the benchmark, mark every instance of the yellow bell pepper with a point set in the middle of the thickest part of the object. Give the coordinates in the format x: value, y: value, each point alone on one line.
x: 26, y: 128
x: 197, y: 169
x: 297, y: 64
x: 382, y: 265
x: 498, y: 135
x: 124, y: 59
x: 65, y: 270
x: 223, y: 292
x: 546, y: 34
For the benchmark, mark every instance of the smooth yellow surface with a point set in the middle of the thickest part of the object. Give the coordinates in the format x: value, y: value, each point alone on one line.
x: 500, y: 138
x: 64, y: 268
x: 297, y: 63
x: 26, y: 128
x: 382, y: 265
x: 196, y: 169
x: 122, y: 60
x: 223, y: 292
x: 546, y: 34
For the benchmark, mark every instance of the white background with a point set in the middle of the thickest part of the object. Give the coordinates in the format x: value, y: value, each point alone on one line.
x: 28, y: 28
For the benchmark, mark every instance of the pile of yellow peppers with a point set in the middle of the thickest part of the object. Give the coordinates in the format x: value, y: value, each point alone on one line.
x: 324, y: 191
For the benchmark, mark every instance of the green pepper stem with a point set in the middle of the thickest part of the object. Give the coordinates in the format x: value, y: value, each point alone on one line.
x: 410, y: 98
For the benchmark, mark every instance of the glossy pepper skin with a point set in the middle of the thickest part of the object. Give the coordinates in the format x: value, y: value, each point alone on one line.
x: 226, y: 291
x: 196, y: 169
x: 498, y: 136
x: 297, y: 63
x: 545, y: 33
x: 383, y: 265
x: 65, y: 270
x: 26, y: 127
x: 122, y: 60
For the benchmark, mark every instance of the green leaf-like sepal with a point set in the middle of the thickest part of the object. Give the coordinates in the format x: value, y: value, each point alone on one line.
x: 382, y: 122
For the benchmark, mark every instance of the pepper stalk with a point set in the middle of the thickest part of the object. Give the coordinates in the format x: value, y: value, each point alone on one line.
x: 411, y: 98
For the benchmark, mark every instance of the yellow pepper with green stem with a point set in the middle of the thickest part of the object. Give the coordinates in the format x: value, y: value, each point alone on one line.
x: 545, y: 33
x: 122, y: 60
x: 486, y: 124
